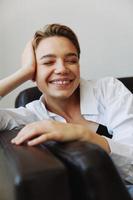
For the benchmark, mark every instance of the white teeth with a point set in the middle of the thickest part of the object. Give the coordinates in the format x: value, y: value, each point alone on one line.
x: 61, y: 82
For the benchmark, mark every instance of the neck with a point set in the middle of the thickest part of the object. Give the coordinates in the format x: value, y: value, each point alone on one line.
x: 63, y: 107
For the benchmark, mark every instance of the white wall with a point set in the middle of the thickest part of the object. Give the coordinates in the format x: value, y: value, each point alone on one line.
x: 104, y: 28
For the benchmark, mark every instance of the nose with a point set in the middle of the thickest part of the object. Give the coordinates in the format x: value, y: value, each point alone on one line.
x: 61, y: 68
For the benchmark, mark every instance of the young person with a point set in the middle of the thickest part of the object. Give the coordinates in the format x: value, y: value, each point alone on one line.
x: 70, y: 107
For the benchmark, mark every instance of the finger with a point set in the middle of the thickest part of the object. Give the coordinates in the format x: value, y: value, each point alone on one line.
x: 29, y: 131
x: 39, y: 140
x: 37, y: 127
x: 45, y: 137
x: 24, y: 135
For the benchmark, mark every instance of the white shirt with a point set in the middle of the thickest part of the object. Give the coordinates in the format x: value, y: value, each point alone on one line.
x: 106, y: 101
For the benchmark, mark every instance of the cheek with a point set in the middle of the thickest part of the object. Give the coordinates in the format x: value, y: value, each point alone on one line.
x: 39, y: 74
x: 77, y: 71
x: 42, y: 74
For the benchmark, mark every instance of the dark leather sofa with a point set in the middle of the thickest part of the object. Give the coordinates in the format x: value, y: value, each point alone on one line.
x: 62, y: 171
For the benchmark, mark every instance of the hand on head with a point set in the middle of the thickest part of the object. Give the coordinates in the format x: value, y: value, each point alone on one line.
x: 29, y: 60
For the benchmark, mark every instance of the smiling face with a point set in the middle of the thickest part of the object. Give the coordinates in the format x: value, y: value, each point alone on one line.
x: 57, y: 67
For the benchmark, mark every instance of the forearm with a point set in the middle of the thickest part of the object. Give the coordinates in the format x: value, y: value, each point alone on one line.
x: 13, y: 81
x: 27, y: 72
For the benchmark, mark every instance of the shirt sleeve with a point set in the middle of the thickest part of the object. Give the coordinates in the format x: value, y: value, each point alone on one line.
x: 119, y: 114
x: 14, y: 118
x: 122, y: 156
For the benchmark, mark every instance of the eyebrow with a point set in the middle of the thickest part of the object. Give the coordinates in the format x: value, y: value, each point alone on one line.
x: 71, y: 54
x: 54, y: 56
x: 48, y: 56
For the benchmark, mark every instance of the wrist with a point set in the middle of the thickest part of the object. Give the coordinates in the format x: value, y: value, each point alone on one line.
x: 85, y: 134
x: 90, y: 136
x: 101, y: 141
x: 24, y: 74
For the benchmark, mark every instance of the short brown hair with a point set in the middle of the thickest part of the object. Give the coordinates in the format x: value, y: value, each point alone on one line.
x: 56, y: 30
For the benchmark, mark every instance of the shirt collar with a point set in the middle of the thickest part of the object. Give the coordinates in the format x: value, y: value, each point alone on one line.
x: 50, y: 114
x: 88, y: 102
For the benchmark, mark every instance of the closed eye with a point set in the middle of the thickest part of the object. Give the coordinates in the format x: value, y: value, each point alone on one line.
x: 72, y: 61
x: 49, y: 63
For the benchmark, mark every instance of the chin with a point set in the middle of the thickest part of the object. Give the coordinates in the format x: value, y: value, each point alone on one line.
x: 61, y: 95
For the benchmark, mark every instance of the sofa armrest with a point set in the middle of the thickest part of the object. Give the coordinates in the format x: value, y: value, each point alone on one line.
x: 30, y: 172
x: 92, y: 174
